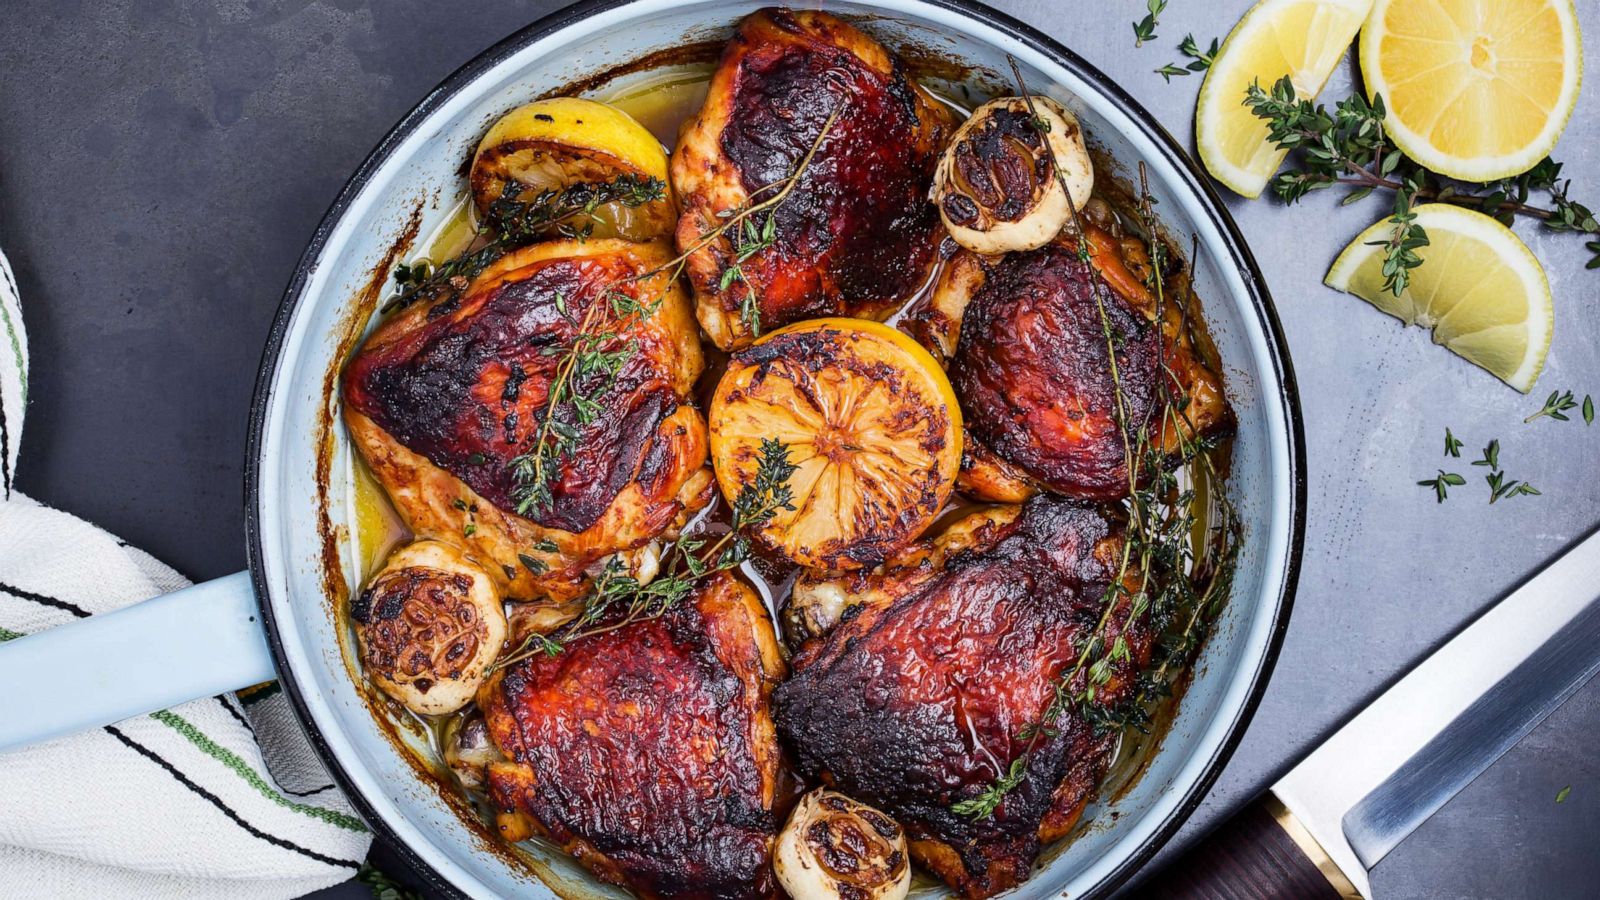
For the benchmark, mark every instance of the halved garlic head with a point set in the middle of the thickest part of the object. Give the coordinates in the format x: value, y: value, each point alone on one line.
x: 997, y: 187
x: 837, y: 849
x: 429, y: 624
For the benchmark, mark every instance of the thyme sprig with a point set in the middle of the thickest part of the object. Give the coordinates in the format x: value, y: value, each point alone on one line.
x: 748, y: 238
x: 1348, y: 147
x: 1167, y: 572
x: 510, y: 223
x: 618, y: 599
x: 1199, y: 60
x: 1400, y: 250
x: 586, y: 367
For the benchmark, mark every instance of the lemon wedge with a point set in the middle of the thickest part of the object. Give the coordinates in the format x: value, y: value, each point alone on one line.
x: 869, y: 421
x: 1303, y: 39
x: 1479, y: 289
x: 1476, y: 90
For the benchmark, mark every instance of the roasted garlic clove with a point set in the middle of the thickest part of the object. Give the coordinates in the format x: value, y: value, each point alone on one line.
x: 468, y: 751
x: 997, y: 187
x: 837, y: 849
x: 428, y: 626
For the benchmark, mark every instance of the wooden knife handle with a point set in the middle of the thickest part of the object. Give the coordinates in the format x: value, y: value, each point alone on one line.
x: 1261, y: 853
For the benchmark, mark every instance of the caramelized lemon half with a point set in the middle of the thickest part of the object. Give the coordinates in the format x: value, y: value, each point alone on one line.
x: 564, y: 141
x: 871, y: 425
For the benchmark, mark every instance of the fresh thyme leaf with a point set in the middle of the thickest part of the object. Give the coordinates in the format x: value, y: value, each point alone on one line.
x: 1561, y: 795
x: 1491, y: 455
x: 1145, y: 29
x: 1556, y: 406
x: 534, y: 566
x: 1452, y: 446
x: 1442, y: 483
x: 1199, y: 60
x: 1588, y: 410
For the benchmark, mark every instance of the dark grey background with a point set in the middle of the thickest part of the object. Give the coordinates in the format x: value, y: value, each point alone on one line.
x: 162, y: 164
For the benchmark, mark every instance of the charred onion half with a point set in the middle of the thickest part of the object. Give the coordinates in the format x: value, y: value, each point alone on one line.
x: 997, y: 187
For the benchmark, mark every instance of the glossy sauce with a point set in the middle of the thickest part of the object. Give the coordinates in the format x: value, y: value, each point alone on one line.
x: 662, y: 102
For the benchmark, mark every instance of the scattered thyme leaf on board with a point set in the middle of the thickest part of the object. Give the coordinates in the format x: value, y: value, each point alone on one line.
x: 1199, y: 60
x: 1441, y: 485
x: 1145, y: 28
x: 1452, y: 446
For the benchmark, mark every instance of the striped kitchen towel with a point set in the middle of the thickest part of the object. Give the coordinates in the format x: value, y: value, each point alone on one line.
x: 220, y: 797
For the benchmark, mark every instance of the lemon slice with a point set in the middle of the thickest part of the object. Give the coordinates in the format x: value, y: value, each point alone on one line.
x: 1303, y: 39
x: 871, y: 425
x: 1479, y: 289
x: 558, y: 142
x: 1476, y: 89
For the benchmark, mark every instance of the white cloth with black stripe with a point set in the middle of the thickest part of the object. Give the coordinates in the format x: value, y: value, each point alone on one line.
x: 221, y: 797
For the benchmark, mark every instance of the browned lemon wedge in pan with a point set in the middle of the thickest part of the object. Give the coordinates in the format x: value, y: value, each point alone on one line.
x: 559, y: 143
x: 870, y: 423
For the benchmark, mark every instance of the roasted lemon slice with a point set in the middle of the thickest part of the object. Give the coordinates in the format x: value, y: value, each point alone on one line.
x: 564, y: 141
x: 870, y: 423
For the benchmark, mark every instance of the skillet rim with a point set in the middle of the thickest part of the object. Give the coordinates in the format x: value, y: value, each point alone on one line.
x: 1189, y: 177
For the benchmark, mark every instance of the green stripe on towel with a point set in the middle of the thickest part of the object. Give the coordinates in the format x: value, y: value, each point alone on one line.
x: 231, y: 760
x: 16, y: 342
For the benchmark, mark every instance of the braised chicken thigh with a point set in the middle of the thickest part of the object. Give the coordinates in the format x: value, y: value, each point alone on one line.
x: 444, y: 399
x: 938, y: 677
x: 1037, y: 344
x: 856, y: 235
x: 648, y: 751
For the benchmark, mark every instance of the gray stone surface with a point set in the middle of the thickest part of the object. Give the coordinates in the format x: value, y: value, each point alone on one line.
x: 162, y: 164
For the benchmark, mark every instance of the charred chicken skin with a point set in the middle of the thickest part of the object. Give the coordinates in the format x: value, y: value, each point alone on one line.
x: 930, y: 686
x: 1029, y: 338
x: 856, y: 235
x: 648, y: 751
x: 442, y: 399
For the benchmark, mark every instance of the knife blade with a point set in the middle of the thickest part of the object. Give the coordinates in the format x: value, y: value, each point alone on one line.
x: 1394, y: 764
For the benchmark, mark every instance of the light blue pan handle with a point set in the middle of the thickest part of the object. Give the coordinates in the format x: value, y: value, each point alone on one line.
x: 192, y: 643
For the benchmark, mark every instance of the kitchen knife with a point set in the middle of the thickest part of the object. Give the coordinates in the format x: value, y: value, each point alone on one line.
x: 1317, y: 832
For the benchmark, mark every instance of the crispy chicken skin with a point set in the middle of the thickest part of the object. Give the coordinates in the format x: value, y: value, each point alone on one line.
x: 1027, y: 351
x: 440, y: 400
x: 648, y: 752
x: 924, y: 693
x: 857, y: 235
